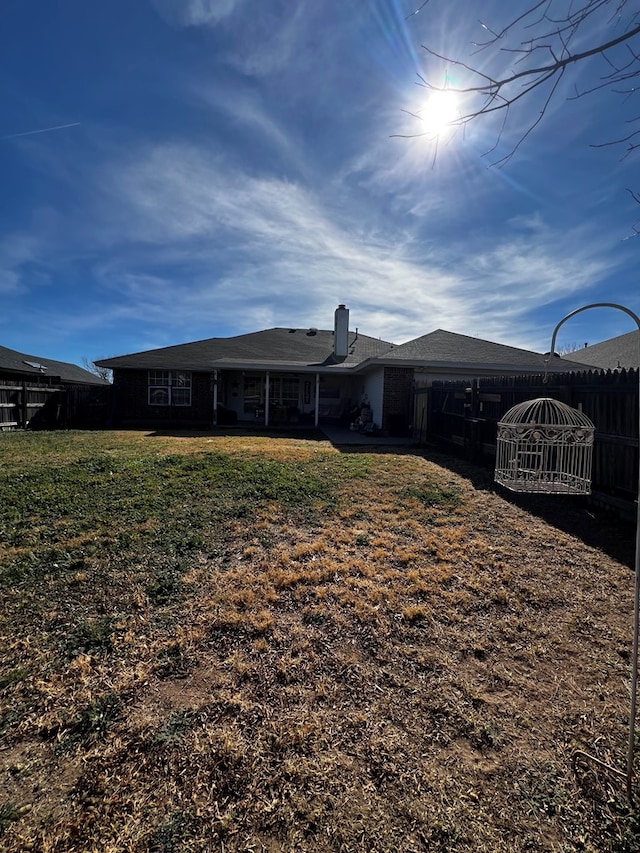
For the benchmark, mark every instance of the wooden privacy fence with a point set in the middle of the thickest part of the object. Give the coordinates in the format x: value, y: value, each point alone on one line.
x: 21, y: 402
x: 465, y: 415
x: 38, y: 406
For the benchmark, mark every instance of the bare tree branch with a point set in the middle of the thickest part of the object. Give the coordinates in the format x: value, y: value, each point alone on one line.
x: 103, y: 372
x: 546, y: 72
x: 551, y: 27
x: 518, y: 67
x: 418, y: 10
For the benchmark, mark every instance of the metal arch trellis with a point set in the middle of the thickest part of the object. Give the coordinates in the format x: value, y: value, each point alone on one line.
x: 636, y: 596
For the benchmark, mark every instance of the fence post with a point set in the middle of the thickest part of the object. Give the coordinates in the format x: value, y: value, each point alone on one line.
x: 471, y: 420
x: 23, y: 407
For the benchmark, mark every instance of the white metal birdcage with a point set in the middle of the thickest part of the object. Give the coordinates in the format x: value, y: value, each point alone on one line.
x: 545, y: 446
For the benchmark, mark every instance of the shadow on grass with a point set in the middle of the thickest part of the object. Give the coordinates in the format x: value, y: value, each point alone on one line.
x: 289, y: 432
x: 574, y: 515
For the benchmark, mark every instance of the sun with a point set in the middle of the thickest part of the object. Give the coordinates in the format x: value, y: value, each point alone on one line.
x: 441, y: 111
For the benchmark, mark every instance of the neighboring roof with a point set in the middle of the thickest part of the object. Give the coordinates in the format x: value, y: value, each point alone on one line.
x: 623, y: 351
x: 448, y: 350
x: 12, y: 361
x: 282, y: 348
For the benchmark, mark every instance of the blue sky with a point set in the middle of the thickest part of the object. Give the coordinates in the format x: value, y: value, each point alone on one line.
x: 172, y: 170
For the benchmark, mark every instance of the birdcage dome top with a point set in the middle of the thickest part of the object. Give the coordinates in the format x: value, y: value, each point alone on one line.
x: 548, y: 412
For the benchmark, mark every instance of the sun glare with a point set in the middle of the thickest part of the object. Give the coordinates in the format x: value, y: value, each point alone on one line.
x: 440, y: 112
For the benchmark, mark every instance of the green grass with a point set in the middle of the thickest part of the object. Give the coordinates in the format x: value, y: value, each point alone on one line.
x: 263, y: 644
x: 433, y: 494
x: 8, y: 812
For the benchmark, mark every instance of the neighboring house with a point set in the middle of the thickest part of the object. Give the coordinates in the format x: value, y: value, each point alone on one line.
x: 614, y: 354
x: 31, y: 389
x: 312, y: 376
x: 19, y: 367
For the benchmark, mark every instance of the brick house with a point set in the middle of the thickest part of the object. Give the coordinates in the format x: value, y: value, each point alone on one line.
x: 287, y: 376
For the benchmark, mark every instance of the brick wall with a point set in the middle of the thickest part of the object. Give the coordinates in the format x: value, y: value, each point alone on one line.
x: 397, y: 400
x: 131, y: 403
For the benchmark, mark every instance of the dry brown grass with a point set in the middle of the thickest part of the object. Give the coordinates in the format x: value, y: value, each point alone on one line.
x: 406, y: 664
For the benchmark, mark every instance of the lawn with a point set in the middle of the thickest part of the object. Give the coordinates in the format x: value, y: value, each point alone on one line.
x: 241, y: 643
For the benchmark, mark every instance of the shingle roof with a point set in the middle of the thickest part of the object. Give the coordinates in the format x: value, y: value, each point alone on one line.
x: 622, y: 351
x: 36, y: 365
x: 296, y: 347
x: 283, y: 348
x: 449, y: 349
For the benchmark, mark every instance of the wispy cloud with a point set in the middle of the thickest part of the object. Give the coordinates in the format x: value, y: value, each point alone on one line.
x: 195, y: 13
x: 262, y: 247
x: 242, y: 107
x: 182, y: 245
x: 270, y: 39
x: 264, y: 38
x: 19, y: 252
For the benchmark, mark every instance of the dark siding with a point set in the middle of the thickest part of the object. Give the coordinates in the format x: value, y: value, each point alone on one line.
x: 397, y: 400
x: 131, y: 403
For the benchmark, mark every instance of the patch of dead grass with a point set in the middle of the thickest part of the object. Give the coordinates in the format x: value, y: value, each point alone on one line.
x: 385, y: 673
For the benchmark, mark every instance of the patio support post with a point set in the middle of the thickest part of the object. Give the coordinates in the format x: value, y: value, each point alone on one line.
x: 636, y: 596
x: 215, y: 397
x: 267, y: 388
x: 317, y: 401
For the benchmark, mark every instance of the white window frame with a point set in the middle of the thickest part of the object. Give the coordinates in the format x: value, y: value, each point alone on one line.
x: 169, y: 388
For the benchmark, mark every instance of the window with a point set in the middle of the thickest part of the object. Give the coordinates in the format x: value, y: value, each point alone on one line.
x: 284, y: 391
x: 329, y: 393
x: 169, y: 388
x: 253, y: 393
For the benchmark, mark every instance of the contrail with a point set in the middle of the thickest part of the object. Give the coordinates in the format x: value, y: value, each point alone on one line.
x: 42, y: 130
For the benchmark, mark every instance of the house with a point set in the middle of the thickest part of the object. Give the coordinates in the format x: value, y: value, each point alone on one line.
x: 18, y: 367
x: 302, y: 376
x: 616, y: 353
x: 31, y: 389
x: 276, y: 376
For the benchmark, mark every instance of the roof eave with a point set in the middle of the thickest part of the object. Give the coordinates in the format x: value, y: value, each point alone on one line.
x: 239, y: 364
x: 491, y: 367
